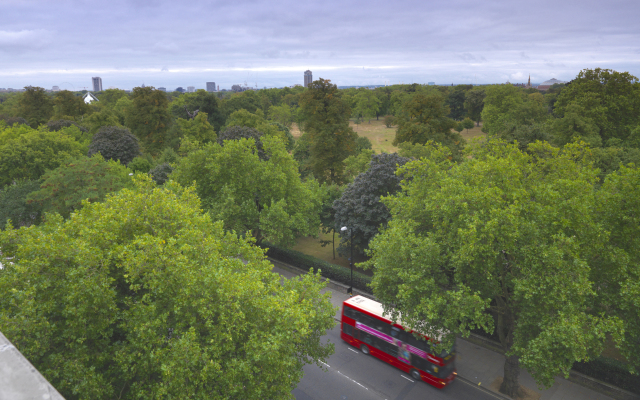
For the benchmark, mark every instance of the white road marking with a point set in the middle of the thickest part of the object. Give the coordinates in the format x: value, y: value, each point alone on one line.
x: 356, y: 382
x: 328, y: 366
x: 355, y: 351
x: 410, y: 380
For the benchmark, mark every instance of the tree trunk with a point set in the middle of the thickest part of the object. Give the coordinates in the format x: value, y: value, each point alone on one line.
x: 510, y: 385
x: 333, y: 243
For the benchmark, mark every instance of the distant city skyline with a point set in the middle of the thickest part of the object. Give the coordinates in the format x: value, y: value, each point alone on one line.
x: 270, y: 44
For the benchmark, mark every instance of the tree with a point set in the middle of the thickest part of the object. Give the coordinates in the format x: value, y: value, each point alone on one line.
x: 367, y: 104
x: 281, y: 114
x: 483, y: 235
x: 64, y: 189
x: 115, y: 143
x: 359, y: 207
x: 66, y: 104
x: 302, y: 154
x: 609, y: 98
x: 357, y: 164
x: 143, y: 296
x: 160, y: 173
x: 330, y: 193
x: 474, y: 103
x: 389, y: 120
x: 14, y: 206
x: 467, y: 124
x: 424, y: 118
x: 575, y: 126
x: 506, y: 106
x: 455, y: 101
x: 110, y: 97
x: 326, y: 120
x: 97, y: 120
x: 149, y: 119
x: 31, y: 154
x: 198, y: 128
x: 35, y: 106
x: 259, y: 196
x: 243, y: 132
x: 205, y: 102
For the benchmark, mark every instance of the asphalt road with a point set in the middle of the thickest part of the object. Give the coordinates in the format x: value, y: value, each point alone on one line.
x: 351, y: 375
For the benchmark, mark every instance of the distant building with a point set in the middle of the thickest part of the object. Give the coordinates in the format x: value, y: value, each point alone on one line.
x: 97, y: 84
x: 308, y: 78
x: 164, y: 89
x: 547, y: 84
x: 211, y: 86
x: 55, y: 89
x: 191, y: 89
x: 218, y: 88
x: 89, y: 98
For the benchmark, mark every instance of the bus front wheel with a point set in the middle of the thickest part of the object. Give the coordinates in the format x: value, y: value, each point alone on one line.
x: 365, y: 349
x: 416, y: 375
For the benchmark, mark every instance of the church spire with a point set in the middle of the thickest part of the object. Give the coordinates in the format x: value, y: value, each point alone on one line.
x: 529, y: 83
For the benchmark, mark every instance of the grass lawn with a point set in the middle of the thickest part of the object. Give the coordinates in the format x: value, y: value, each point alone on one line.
x: 381, y: 137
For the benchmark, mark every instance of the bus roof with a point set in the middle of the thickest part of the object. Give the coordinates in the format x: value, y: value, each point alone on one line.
x: 366, y: 304
x: 375, y: 308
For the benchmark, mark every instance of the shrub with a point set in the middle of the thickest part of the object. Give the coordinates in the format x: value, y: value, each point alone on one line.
x: 55, y: 126
x: 140, y: 164
x: 389, y: 120
x: 160, y: 174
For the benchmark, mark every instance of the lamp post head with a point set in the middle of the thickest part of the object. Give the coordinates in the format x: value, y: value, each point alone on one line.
x: 344, y: 228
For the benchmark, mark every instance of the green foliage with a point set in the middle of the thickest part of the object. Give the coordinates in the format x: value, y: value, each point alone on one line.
x: 115, y: 143
x: 367, y: 104
x: 357, y: 164
x: 363, y: 143
x: 424, y: 118
x: 110, y: 97
x: 609, y: 99
x: 467, y: 124
x: 198, y: 129
x: 302, y: 154
x: 389, y: 120
x: 35, y: 106
x: 326, y: 121
x: 101, y: 119
x: 149, y: 119
x: 281, y: 114
x: 610, y: 371
x: 205, y: 102
x: 243, y: 132
x: 143, y: 296
x: 455, y: 101
x: 67, y: 104
x: 34, y: 152
x: 459, y: 127
x: 160, y: 173
x: 14, y: 206
x: 64, y: 189
x: 140, y: 164
x: 359, y: 208
x: 262, y: 197
x: 418, y: 151
x: 505, y: 231
x: 617, y: 268
x: 474, y: 103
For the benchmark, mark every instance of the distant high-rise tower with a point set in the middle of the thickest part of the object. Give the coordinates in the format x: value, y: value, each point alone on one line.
x: 211, y: 86
x: 308, y: 78
x: 97, y: 84
x: 191, y: 89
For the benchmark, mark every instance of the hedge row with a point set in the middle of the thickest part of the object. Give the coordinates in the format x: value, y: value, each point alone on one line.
x: 603, y: 369
x: 328, y: 270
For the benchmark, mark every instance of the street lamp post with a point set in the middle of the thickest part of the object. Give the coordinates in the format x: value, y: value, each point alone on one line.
x: 343, y: 229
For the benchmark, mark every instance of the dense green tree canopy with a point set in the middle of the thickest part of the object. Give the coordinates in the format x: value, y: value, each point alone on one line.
x: 609, y: 99
x: 474, y: 103
x: 367, y: 104
x: 149, y: 119
x: 455, y: 100
x: 198, y: 128
x: 115, y: 143
x: 35, y: 106
x: 326, y: 121
x: 509, y: 232
x: 143, y: 296
x: 424, y: 118
x: 67, y: 104
x: 359, y: 208
x: 14, y: 205
x: 205, y: 102
x: 262, y: 197
x: 34, y: 152
x: 64, y: 189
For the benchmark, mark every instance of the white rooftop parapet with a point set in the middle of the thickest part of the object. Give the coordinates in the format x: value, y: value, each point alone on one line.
x: 19, y: 380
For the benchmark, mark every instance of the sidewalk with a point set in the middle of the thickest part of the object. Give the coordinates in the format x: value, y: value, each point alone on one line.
x: 475, y: 364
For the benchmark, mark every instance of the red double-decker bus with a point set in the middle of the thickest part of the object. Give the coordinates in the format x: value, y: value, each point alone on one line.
x: 365, y: 327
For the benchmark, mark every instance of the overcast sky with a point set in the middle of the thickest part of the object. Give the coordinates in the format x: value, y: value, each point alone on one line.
x: 271, y: 43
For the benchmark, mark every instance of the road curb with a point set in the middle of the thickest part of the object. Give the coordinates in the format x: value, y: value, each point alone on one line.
x: 484, y: 389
